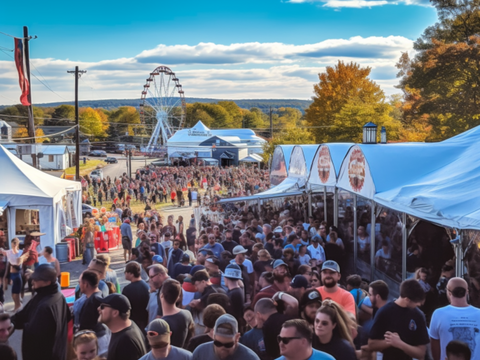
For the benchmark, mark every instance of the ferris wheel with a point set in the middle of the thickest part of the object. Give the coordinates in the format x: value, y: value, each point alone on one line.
x: 163, y: 105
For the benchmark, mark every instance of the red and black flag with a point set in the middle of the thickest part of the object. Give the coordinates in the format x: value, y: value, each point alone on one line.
x: 22, y: 71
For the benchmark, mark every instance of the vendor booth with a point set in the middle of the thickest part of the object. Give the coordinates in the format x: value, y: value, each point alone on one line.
x: 31, y: 200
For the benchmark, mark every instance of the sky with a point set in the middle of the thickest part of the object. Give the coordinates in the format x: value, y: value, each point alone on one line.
x: 262, y: 49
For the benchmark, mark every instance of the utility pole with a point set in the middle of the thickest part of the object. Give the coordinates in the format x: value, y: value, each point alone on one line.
x: 78, y: 74
x: 271, y: 124
x: 130, y: 163
x: 31, y: 122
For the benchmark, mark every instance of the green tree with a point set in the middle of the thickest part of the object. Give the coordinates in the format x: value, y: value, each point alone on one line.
x: 123, y: 120
x: 64, y: 112
x: 338, y: 86
x: 252, y: 119
x: 289, y: 136
x: 234, y: 111
x: 348, y: 123
x: 441, y: 84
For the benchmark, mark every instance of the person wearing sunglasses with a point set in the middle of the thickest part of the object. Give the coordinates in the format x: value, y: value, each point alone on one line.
x: 158, y: 336
x: 332, y: 331
x: 127, y: 341
x: 295, y: 341
x: 225, y: 344
x: 85, y: 345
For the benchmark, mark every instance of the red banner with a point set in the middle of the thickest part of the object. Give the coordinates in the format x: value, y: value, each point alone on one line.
x: 22, y: 73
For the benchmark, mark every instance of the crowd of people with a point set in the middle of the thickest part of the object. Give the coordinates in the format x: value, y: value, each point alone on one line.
x: 176, y: 184
x: 247, y: 285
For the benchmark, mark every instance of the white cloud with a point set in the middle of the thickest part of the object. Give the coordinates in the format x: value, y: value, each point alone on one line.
x: 208, y: 70
x: 362, y: 3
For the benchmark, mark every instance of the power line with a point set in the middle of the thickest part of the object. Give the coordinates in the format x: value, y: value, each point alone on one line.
x: 45, y: 136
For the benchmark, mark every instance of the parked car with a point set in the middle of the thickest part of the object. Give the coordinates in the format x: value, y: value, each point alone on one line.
x: 111, y: 160
x: 87, y: 210
x: 131, y: 147
x: 95, y: 174
x: 98, y: 153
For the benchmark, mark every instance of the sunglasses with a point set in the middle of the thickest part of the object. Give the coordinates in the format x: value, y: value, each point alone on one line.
x: 323, y: 323
x: 103, y: 306
x: 286, y: 340
x: 225, y: 345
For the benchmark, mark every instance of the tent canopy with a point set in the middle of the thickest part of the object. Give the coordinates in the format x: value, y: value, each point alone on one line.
x: 326, y: 164
x: 22, y: 184
x: 288, y: 187
x: 280, y: 164
x: 448, y: 194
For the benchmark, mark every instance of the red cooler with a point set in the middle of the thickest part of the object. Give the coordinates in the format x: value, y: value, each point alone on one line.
x: 101, y: 242
x: 112, y: 244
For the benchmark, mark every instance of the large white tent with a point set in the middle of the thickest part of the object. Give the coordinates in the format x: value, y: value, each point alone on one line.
x: 22, y: 187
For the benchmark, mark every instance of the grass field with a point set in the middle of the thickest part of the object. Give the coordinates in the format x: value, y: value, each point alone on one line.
x: 85, y: 169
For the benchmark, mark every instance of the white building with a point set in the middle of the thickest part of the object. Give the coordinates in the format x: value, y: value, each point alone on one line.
x: 227, y: 145
x: 55, y: 157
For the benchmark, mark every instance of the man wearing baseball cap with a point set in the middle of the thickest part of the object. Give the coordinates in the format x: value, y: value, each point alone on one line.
x: 233, y: 276
x: 182, y: 267
x: 158, y: 336
x: 127, y: 342
x: 245, y: 265
x: 225, y: 344
x: 280, y: 269
x: 298, y: 286
x: 330, y: 289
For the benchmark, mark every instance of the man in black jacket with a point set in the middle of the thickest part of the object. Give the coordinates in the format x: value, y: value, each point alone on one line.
x: 44, y: 319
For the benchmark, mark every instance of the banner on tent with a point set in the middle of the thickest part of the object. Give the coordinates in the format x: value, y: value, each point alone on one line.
x: 355, y: 174
x: 323, y: 171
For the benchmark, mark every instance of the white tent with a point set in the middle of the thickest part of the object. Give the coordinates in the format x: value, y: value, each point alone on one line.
x: 22, y: 187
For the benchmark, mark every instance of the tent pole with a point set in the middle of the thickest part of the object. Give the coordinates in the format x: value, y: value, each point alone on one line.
x: 355, y: 233
x: 372, y: 243
x: 335, y: 208
x: 310, y: 212
x: 325, y: 203
x: 404, y: 246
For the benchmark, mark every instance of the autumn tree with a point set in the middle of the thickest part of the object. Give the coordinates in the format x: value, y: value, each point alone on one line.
x: 289, y: 136
x: 252, y: 119
x: 124, y: 120
x: 91, y: 123
x: 344, y: 90
x: 23, y: 133
x: 441, y: 84
x: 19, y: 114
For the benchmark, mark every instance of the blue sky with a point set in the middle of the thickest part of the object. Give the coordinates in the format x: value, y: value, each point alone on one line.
x: 247, y: 49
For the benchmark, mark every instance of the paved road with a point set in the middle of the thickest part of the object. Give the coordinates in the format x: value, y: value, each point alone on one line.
x: 75, y: 268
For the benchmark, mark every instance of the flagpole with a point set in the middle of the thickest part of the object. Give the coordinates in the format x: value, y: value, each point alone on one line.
x: 31, y: 122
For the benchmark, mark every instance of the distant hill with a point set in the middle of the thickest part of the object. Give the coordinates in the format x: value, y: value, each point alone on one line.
x: 262, y: 104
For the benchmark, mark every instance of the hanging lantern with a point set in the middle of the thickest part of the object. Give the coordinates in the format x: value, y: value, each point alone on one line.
x: 369, y: 133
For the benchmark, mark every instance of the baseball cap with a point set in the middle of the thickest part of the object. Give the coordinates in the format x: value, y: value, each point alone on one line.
x: 45, y: 272
x: 239, y: 249
x: 185, y: 257
x: 205, y: 251
x: 196, y: 268
x: 298, y: 282
x: 158, y: 332
x: 233, y: 271
x: 278, y: 262
x: 213, y: 260
x: 310, y: 296
x: 331, y: 265
x: 118, y: 302
x: 226, y: 325
x: 157, y: 259
x: 126, y: 221
x: 278, y: 229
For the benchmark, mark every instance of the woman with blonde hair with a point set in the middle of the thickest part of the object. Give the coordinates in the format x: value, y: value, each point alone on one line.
x: 333, y: 332
x: 111, y: 275
x: 88, y: 245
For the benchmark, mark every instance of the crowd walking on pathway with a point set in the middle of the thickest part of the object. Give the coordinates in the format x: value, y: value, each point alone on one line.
x: 240, y: 286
